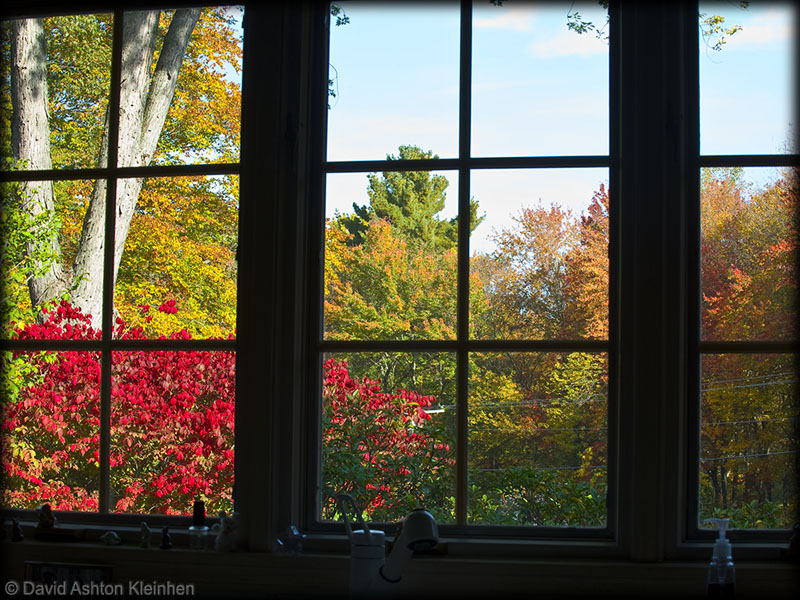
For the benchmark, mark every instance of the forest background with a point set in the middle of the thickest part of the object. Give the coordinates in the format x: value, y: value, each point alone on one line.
x: 537, y: 421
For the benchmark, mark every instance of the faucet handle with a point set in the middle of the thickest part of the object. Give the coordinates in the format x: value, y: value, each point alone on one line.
x: 340, y: 500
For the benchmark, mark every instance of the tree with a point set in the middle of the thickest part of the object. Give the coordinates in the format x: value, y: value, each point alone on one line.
x: 145, y: 96
x: 182, y: 247
x: 712, y: 27
x: 383, y: 448
x: 390, y: 274
x: 586, y: 278
x: 389, y: 289
x: 748, y: 261
x: 749, y: 283
x: 527, y: 295
x: 538, y: 419
x: 172, y: 417
x: 410, y: 201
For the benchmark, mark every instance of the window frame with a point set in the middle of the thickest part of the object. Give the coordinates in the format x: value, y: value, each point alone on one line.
x: 698, y: 346
x: 655, y: 240
x: 112, y: 172
x: 460, y: 168
x: 654, y: 243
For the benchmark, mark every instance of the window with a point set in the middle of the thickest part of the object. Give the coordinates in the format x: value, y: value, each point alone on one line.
x: 748, y: 314
x: 645, y: 360
x: 650, y: 354
x: 120, y: 208
x: 464, y: 341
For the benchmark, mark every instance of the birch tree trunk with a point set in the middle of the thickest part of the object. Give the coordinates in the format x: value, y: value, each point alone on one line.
x: 30, y: 146
x: 145, y: 97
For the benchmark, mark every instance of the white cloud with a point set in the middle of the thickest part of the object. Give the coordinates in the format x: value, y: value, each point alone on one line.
x: 357, y: 135
x: 775, y: 24
x: 566, y: 43
x: 513, y: 18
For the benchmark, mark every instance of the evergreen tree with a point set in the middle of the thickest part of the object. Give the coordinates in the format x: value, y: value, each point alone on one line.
x: 410, y: 201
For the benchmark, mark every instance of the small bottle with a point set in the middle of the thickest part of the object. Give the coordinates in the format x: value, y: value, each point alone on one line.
x: 721, y: 572
x: 198, y: 532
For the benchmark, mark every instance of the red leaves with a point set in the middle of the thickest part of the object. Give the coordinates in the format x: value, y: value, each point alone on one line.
x: 172, y: 426
x: 376, y: 444
x: 172, y: 422
x: 169, y: 307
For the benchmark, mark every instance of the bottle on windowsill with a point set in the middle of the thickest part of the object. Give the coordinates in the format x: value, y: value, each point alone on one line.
x: 198, y: 532
x: 721, y: 572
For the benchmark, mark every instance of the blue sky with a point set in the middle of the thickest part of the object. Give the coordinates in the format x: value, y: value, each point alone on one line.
x: 538, y: 89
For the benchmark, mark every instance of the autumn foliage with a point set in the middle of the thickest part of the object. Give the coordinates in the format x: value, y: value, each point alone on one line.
x: 381, y: 447
x: 172, y: 423
x: 172, y: 428
x: 537, y: 421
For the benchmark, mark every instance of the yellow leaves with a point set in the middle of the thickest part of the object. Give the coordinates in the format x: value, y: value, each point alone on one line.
x: 181, y: 246
x: 385, y: 289
x: 749, y: 281
x: 205, y: 115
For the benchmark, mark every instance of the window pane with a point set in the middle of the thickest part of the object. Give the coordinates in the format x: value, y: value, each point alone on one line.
x: 388, y: 433
x: 46, y: 255
x: 749, y: 232
x: 749, y: 440
x: 538, y: 439
x: 178, y: 270
x: 393, y: 79
x: 180, y: 98
x: 539, y: 264
x: 58, y: 81
x: 51, y: 429
x: 538, y: 87
x: 172, y: 424
x: 390, y: 263
x: 748, y: 84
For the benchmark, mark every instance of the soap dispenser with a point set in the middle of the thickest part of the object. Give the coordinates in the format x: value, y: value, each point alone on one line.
x: 721, y: 572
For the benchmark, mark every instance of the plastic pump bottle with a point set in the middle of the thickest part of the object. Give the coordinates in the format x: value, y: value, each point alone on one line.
x: 367, y: 551
x: 721, y: 572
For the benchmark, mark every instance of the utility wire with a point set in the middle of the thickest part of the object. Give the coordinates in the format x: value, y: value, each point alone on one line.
x: 535, y: 429
x: 487, y: 470
x: 716, y: 458
x: 749, y: 378
x: 746, y: 385
x: 746, y: 421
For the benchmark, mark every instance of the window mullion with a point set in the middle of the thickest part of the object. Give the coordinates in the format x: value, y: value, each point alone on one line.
x: 653, y: 179
x: 689, y: 436
x: 462, y: 356
x: 105, y: 501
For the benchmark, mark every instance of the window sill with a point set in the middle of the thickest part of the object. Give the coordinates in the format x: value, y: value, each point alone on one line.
x: 454, y: 573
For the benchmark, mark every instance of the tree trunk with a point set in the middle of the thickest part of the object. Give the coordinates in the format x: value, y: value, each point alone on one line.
x: 145, y: 97
x: 30, y: 147
x: 714, y: 473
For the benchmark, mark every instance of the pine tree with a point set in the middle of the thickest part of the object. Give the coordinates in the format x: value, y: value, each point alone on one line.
x: 410, y: 201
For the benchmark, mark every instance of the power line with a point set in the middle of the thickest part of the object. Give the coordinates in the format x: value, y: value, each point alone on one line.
x: 716, y: 458
x: 749, y: 378
x: 487, y: 470
x: 746, y: 421
x: 747, y: 385
x: 535, y: 429
x: 544, y: 402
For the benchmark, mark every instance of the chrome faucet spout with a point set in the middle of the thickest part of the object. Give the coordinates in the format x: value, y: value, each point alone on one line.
x: 371, y: 573
x: 417, y: 533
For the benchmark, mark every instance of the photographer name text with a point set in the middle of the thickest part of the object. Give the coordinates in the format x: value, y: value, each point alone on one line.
x: 77, y: 588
